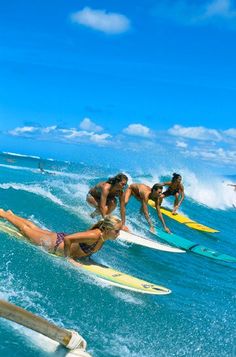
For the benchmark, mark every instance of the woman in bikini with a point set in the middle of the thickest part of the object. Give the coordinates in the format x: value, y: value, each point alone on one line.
x: 103, y: 196
x: 76, y: 245
x: 175, y: 188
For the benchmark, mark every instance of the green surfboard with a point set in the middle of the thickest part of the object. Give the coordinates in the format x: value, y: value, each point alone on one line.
x: 196, y: 248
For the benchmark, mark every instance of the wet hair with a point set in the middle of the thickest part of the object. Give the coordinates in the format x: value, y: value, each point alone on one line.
x: 108, y: 223
x: 175, y: 176
x: 156, y: 187
x: 116, y: 179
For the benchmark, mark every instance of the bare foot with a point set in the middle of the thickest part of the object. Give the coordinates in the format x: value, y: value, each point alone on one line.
x: 9, y: 211
x: 2, y: 213
x: 95, y: 213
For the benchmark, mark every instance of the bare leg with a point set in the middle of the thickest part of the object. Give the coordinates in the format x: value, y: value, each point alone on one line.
x: 91, y: 200
x: 128, y: 194
x: 176, y: 202
x: 95, y: 213
x: 33, y: 235
x: 111, y: 206
x: 28, y: 223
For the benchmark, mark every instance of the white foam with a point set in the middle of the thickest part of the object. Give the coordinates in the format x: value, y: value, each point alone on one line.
x: 36, y: 189
x: 19, y: 168
x: 20, y: 155
x: 206, y: 188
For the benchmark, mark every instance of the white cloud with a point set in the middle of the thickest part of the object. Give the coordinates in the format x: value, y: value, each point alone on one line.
x: 137, y: 130
x: 88, y: 125
x: 100, y: 138
x: 189, y: 13
x: 230, y: 132
x: 71, y: 135
x: 181, y: 144
x: 197, y: 133
x: 219, y: 8
x: 74, y: 133
x: 23, y: 130
x: 49, y: 129
x: 219, y: 155
x: 110, y: 23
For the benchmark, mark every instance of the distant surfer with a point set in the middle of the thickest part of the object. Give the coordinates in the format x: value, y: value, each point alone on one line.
x: 103, y: 196
x: 40, y: 166
x: 143, y: 193
x: 175, y: 188
x: 75, y: 245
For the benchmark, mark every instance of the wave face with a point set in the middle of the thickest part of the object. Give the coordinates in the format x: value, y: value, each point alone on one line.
x: 197, y: 319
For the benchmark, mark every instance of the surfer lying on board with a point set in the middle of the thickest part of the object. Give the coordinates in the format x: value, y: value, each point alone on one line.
x: 143, y: 193
x: 76, y: 245
x: 175, y: 188
x: 103, y: 196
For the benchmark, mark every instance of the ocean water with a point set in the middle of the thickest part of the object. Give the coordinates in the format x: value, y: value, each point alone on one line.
x: 197, y: 319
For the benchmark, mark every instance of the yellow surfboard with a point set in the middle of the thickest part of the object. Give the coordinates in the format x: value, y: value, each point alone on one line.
x: 104, y: 273
x: 184, y: 220
x: 125, y: 281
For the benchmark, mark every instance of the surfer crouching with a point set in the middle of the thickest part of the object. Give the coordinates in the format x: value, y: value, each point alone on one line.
x: 176, y: 189
x: 143, y: 193
x: 103, y: 197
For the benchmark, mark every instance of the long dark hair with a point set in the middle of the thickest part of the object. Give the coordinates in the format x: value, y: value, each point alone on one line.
x: 116, y: 179
x: 175, y: 177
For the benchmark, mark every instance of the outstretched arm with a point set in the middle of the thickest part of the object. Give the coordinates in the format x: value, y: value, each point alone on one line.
x: 122, y: 208
x: 168, y: 183
x: 144, y: 208
x: 103, y: 200
x: 157, y: 205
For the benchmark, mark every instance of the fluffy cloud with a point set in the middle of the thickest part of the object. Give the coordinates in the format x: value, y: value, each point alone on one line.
x: 100, y: 138
x: 230, y: 132
x: 137, y: 130
x: 71, y: 135
x: 22, y: 131
x: 190, y: 13
x: 110, y: 23
x: 219, y: 155
x: 197, y: 133
x: 87, y: 124
x: 219, y: 8
x: 181, y: 144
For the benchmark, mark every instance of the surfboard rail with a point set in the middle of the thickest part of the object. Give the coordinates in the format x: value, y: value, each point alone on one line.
x: 148, y: 243
x: 180, y: 218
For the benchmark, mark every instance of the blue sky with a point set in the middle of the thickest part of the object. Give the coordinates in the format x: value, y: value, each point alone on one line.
x: 111, y: 74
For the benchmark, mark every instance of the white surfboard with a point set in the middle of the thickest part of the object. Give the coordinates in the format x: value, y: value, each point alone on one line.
x: 145, y: 242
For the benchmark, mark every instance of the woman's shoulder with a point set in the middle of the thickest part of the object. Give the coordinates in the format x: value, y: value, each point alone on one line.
x: 94, y: 233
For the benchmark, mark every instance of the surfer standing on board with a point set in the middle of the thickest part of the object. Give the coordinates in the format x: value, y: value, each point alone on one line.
x: 75, y: 245
x: 103, y: 196
x: 143, y: 193
x: 175, y: 188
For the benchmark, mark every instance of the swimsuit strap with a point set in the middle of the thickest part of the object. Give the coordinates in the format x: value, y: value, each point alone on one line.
x: 60, y: 239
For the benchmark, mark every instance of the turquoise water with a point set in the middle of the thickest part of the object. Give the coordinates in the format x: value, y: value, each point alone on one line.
x: 197, y: 319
